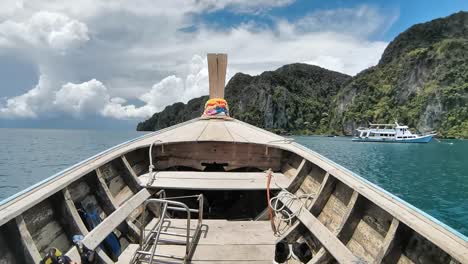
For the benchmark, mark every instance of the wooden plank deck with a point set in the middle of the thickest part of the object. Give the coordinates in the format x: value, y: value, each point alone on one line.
x: 222, y: 241
x: 195, y: 180
x: 224, y: 232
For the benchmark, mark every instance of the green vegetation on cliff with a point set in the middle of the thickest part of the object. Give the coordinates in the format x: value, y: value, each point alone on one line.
x: 293, y: 99
x: 421, y: 80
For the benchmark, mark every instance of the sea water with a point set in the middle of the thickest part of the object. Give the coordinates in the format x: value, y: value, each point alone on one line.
x: 432, y: 177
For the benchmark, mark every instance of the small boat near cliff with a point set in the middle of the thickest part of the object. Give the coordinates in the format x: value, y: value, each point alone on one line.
x: 197, y: 192
x: 391, y: 133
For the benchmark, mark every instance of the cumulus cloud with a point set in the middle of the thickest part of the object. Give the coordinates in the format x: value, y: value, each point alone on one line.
x: 44, y: 29
x: 30, y: 104
x: 177, y: 10
x: 79, y: 99
x: 94, y: 57
x: 169, y: 90
x: 93, y: 97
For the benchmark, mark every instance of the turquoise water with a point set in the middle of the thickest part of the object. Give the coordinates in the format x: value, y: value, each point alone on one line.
x: 28, y: 156
x: 432, y: 177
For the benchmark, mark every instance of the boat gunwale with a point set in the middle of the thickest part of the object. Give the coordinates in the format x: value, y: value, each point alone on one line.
x: 410, y: 211
x: 400, y: 200
x: 11, y: 200
x: 359, y: 184
x: 24, y: 194
x: 390, y: 198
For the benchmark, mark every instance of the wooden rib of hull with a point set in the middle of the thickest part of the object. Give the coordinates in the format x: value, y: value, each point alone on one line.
x: 371, y: 225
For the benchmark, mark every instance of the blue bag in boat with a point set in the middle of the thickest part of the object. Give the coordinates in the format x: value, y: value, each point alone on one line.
x: 111, y: 243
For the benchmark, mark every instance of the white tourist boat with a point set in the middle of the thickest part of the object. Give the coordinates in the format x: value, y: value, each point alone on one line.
x: 391, y: 133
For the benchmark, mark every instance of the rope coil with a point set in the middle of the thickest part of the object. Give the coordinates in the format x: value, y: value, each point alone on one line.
x: 278, y: 206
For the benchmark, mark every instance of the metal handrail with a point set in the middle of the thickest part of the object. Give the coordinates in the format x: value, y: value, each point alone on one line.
x: 158, y: 234
x: 156, y: 231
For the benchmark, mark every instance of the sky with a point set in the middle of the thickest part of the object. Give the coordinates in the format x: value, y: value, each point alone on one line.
x: 110, y: 64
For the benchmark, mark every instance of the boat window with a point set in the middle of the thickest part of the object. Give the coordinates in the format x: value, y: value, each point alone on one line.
x: 372, y: 134
x: 398, y: 137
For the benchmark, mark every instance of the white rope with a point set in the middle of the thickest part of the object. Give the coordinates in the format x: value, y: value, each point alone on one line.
x: 151, y: 174
x: 281, y: 211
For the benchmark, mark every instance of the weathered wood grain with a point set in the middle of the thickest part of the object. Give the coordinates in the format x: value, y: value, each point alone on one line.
x: 328, y: 184
x: 132, y: 178
x: 436, y: 233
x: 388, y: 242
x: 75, y: 219
x: 333, y: 245
x: 71, y: 214
x: 107, y: 198
x: 193, y: 180
x: 217, y: 64
x: 31, y: 252
x: 97, y: 235
x: 193, y: 154
x: 324, y: 256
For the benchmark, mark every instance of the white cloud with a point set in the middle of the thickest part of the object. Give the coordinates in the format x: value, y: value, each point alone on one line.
x: 44, y: 29
x: 169, y: 90
x: 94, y: 8
x: 30, y: 104
x: 125, y: 52
x: 92, y: 97
x: 79, y: 99
x: 9, y: 7
x: 361, y: 21
x: 246, y: 6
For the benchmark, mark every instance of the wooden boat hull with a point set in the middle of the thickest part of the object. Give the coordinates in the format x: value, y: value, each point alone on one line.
x: 347, y: 218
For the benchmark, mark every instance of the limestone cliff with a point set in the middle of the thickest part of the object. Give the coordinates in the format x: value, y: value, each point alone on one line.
x: 293, y: 99
x: 421, y: 80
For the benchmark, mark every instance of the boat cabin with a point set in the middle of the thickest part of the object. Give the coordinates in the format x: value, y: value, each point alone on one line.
x: 402, y: 132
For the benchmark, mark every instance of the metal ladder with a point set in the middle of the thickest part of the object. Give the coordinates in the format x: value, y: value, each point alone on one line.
x: 150, y: 239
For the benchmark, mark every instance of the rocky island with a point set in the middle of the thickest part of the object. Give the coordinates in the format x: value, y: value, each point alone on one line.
x: 421, y: 80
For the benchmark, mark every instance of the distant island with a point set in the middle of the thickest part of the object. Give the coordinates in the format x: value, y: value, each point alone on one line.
x: 421, y: 80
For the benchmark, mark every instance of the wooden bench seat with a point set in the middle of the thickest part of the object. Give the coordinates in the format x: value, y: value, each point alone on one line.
x: 196, y: 180
x: 111, y: 222
x: 328, y: 240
